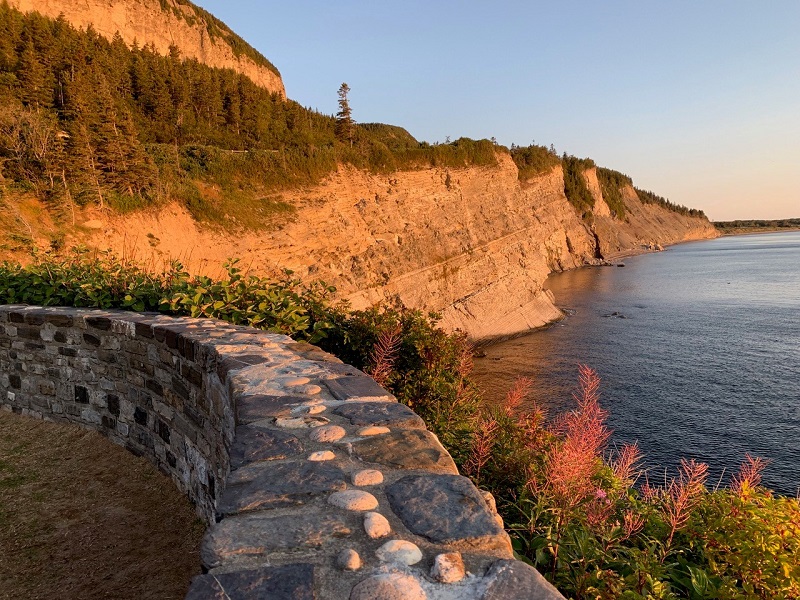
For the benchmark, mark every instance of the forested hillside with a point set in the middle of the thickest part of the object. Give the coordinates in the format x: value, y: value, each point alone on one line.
x: 87, y: 121
x: 84, y: 120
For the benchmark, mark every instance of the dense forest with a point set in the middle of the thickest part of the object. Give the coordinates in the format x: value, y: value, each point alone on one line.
x: 756, y: 225
x: 86, y: 120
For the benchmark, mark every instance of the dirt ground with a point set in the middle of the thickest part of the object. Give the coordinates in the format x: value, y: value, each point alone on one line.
x: 82, y: 518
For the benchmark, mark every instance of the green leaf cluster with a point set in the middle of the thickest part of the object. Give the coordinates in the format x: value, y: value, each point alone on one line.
x: 534, y: 160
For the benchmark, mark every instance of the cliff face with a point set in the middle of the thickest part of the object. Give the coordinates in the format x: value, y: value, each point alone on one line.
x: 476, y: 246
x: 146, y: 22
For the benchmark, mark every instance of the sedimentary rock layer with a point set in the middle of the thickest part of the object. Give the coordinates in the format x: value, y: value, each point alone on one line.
x: 474, y: 244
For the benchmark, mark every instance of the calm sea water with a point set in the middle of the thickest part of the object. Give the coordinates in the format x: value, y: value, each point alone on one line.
x: 698, y: 349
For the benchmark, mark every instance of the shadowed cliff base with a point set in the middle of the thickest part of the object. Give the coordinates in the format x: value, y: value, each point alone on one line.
x: 83, y: 518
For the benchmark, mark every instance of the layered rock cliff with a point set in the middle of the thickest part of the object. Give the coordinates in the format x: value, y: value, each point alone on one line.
x: 474, y: 244
x: 164, y: 23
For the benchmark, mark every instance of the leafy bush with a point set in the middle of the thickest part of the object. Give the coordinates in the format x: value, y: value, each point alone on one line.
x: 575, y: 188
x: 534, y: 160
x: 577, y: 513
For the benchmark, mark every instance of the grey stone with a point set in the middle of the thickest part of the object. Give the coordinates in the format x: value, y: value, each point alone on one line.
x: 367, y: 477
x: 514, y: 579
x: 328, y: 433
x: 376, y: 526
x: 357, y: 388
x: 389, y: 586
x: 399, y: 551
x: 348, y: 560
x: 353, y: 500
x: 389, y: 414
x: 288, y: 582
x: 257, y: 407
x: 446, y: 509
x: 257, y: 535
x: 448, y: 568
x: 406, y: 449
x: 253, y: 444
x: 277, y: 485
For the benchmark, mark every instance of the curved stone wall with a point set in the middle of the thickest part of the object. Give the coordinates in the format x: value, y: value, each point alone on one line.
x: 315, y: 481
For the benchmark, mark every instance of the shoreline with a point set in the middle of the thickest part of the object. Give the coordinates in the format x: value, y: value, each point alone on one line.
x: 758, y: 231
x: 609, y: 261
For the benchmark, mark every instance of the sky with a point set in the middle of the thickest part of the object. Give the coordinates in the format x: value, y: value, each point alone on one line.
x: 697, y: 101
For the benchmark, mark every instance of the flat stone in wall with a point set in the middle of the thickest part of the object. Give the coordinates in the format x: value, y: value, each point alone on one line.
x: 315, y: 482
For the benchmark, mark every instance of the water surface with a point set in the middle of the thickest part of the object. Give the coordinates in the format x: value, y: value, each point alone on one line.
x: 698, y: 348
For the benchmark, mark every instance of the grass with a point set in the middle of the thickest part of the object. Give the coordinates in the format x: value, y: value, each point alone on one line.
x: 82, y: 518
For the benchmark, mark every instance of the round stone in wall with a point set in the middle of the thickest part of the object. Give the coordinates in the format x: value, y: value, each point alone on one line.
x: 372, y: 430
x: 328, y: 433
x: 348, y: 560
x: 389, y: 586
x: 367, y: 477
x: 399, y: 551
x: 448, y: 568
x: 376, y: 525
x: 353, y: 500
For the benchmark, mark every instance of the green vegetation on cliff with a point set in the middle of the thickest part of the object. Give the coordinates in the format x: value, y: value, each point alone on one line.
x: 648, y: 197
x: 84, y: 120
x: 585, y: 516
x: 756, y: 225
x: 611, y: 184
x: 534, y: 160
x: 575, y: 187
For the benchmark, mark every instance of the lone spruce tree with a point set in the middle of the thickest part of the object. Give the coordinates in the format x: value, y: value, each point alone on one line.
x: 345, y: 128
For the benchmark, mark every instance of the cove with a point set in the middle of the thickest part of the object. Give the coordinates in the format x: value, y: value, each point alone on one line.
x: 698, y: 348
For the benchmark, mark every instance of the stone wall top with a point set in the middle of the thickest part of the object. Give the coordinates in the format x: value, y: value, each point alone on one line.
x: 316, y: 482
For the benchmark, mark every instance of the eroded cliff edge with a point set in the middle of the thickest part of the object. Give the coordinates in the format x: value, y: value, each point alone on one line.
x: 473, y: 244
x: 164, y: 23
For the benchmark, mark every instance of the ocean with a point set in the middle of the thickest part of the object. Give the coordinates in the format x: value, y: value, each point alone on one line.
x: 698, y: 349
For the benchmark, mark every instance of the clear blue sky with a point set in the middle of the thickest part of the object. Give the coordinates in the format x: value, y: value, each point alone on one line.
x: 698, y: 101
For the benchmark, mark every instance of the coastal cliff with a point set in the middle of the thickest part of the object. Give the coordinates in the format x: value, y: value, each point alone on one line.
x: 165, y: 23
x: 473, y: 244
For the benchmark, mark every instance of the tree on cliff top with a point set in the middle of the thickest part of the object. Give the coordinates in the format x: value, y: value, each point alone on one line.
x: 345, y: 127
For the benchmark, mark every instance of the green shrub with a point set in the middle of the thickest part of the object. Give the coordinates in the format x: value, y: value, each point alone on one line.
x: 534, y: 160
x: 575, y: 188
x: 611, y: 183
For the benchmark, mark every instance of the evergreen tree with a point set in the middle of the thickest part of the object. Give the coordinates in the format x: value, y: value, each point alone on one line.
x: 345, y: 127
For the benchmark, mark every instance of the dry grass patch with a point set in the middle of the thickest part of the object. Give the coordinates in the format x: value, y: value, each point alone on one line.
x: 82, y: 518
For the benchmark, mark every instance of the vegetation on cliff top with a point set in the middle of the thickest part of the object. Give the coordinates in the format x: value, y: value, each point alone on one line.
x: 757, y: 225
x: 88, y: 121
x: 587, y: 517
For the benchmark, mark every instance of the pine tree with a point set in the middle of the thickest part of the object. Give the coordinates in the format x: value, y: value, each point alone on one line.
x: 345, y: 127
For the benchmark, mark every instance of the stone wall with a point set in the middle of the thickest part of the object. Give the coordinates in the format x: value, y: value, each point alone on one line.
x: 316, y: 483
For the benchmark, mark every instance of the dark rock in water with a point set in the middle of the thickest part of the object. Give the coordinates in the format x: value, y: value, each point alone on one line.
x: 621, y: 264
x: 615, y: 315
